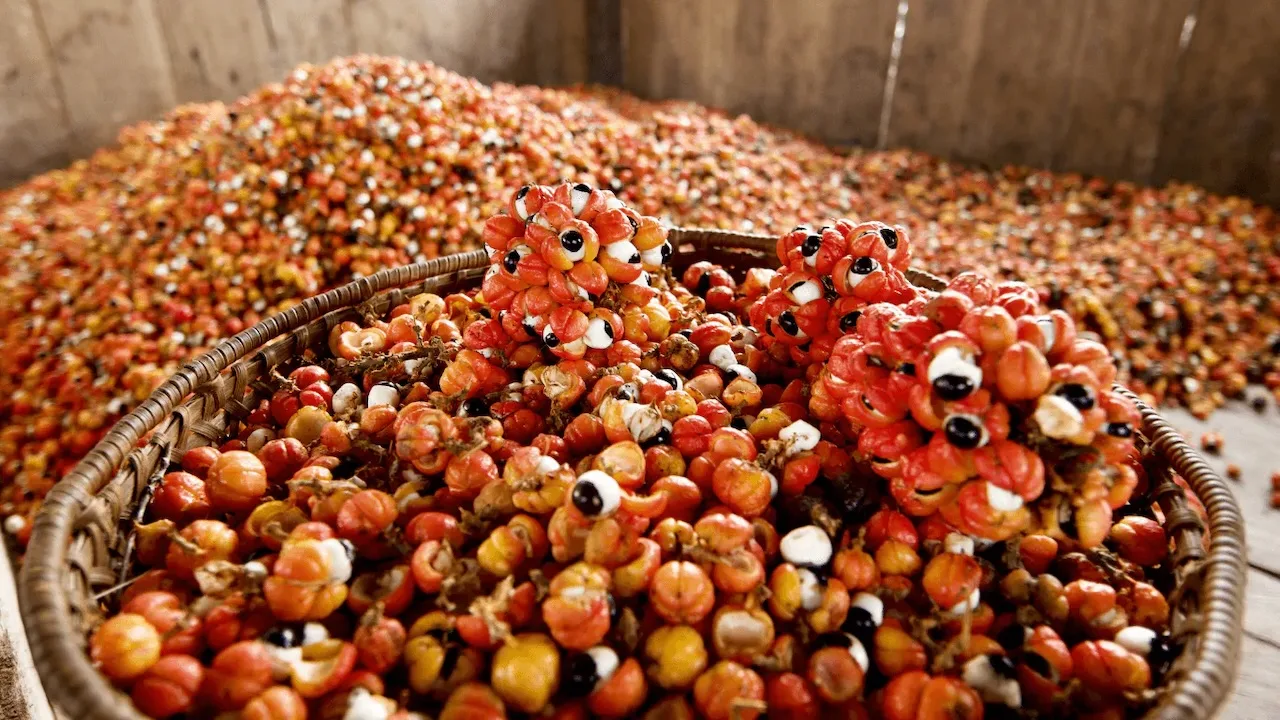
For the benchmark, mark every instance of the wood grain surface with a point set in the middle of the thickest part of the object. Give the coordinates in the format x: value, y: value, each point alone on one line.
x: 1222, y: 127
x: 314, y: 31
x: 112, y: 66
x: 544, y: 41
x: 34, y: 132
x: 1118, y: 87
x: 205, y: 65
x: 817, y: 66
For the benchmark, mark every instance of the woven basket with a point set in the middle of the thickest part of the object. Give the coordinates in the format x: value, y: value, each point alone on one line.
x: 81, y: 542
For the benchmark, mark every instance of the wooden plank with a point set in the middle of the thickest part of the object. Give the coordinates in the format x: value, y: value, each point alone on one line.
x: 1222, y: 127
x: 111, y: 63
x: 1123, y: 69
x: 535, y: 41
x: 1262, y: 607
x: 1254, y: 695
x: 1251, y: 444
x: 218, y: 51
x: 817, y: 66
x: 306, y: 31
x: 939, y: 51
x: 1018, y: 56
x: 21, y: 695
x: 827, y: 65
x: 33, y: 124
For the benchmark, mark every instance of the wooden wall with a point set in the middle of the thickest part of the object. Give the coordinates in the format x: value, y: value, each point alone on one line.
x: 1147, y: 90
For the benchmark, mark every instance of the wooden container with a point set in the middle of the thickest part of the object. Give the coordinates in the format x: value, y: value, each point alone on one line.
x: 82, y: 541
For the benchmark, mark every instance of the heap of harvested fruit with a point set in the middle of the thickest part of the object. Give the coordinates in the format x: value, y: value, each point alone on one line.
x: 971, y: 402
x: 590, y: 490
x: 120, y: 268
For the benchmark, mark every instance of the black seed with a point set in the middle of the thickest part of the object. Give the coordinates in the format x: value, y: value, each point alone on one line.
x: 523, y: 191
x: 811, y: 245
x: 449, y: 662
x: 686, y: 332
x: 511, y: 261
x: 1036, y: 663
x: 662, y: 437
x: 805, y: 347
x: 864, y: 265
x: 474, y: 407
x: 1163, y: 653
x: 859, y: 623
x: 832, y: 639
x: 670, y: 377
x: 666, y: 251
x: 634, y: 225
x: 793, y: 287
x: 608, y: 329
x: 580, y: 675
x: 1012, y: 637
x: 587, y: 499
x: 739, y: 423
x: 1078, y: 395
x: 1120, y: 430
x: 962, y: 432
x: 550, y: 339
x: 571, y: 240
x: 348, y: 547
x: 953, y: 387
x: 908, y: 369
x: 704, y: 283
x: 626, y: 392
x: 283, y: 636
x: 788, y: 323
x: 634, y: 258
x: 890, y: 238
x: 485, y: 312
x: 850, y: 321
x: 582, y: 187
x: 880, y: 460
x: 1002, y: 665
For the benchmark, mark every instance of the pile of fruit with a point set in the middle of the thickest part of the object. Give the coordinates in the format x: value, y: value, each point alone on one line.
x: 595, y: 489
x: 120, y: 268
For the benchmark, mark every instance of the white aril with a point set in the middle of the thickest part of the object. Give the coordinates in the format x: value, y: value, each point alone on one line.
x: 722, y: 357
x: 969, y: 604
x: 992, y: 676
x: 346, y: 399
x: 623, y: 251
x: 257, y: 439
x: 383, y: 395
x: 599, y: 335
x: 741, y: 371
x: 1057, y: 417
x: 804, y: 292
x: 1002, y: 500
x: 339, y: 561
x: 596, y: 494
x: 810, y: 589
x: 800, y: 437
x: 808, y: 546
x: 871, y: 603
x: 958, y: 544
x: 1137, y: 639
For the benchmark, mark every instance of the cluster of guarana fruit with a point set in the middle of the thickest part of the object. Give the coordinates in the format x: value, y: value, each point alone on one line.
x: 595, y: 489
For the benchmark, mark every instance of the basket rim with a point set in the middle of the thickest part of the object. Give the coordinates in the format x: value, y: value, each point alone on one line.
x: 57, y: 646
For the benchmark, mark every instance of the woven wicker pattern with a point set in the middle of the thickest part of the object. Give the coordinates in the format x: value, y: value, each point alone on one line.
x: 81, y: 545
